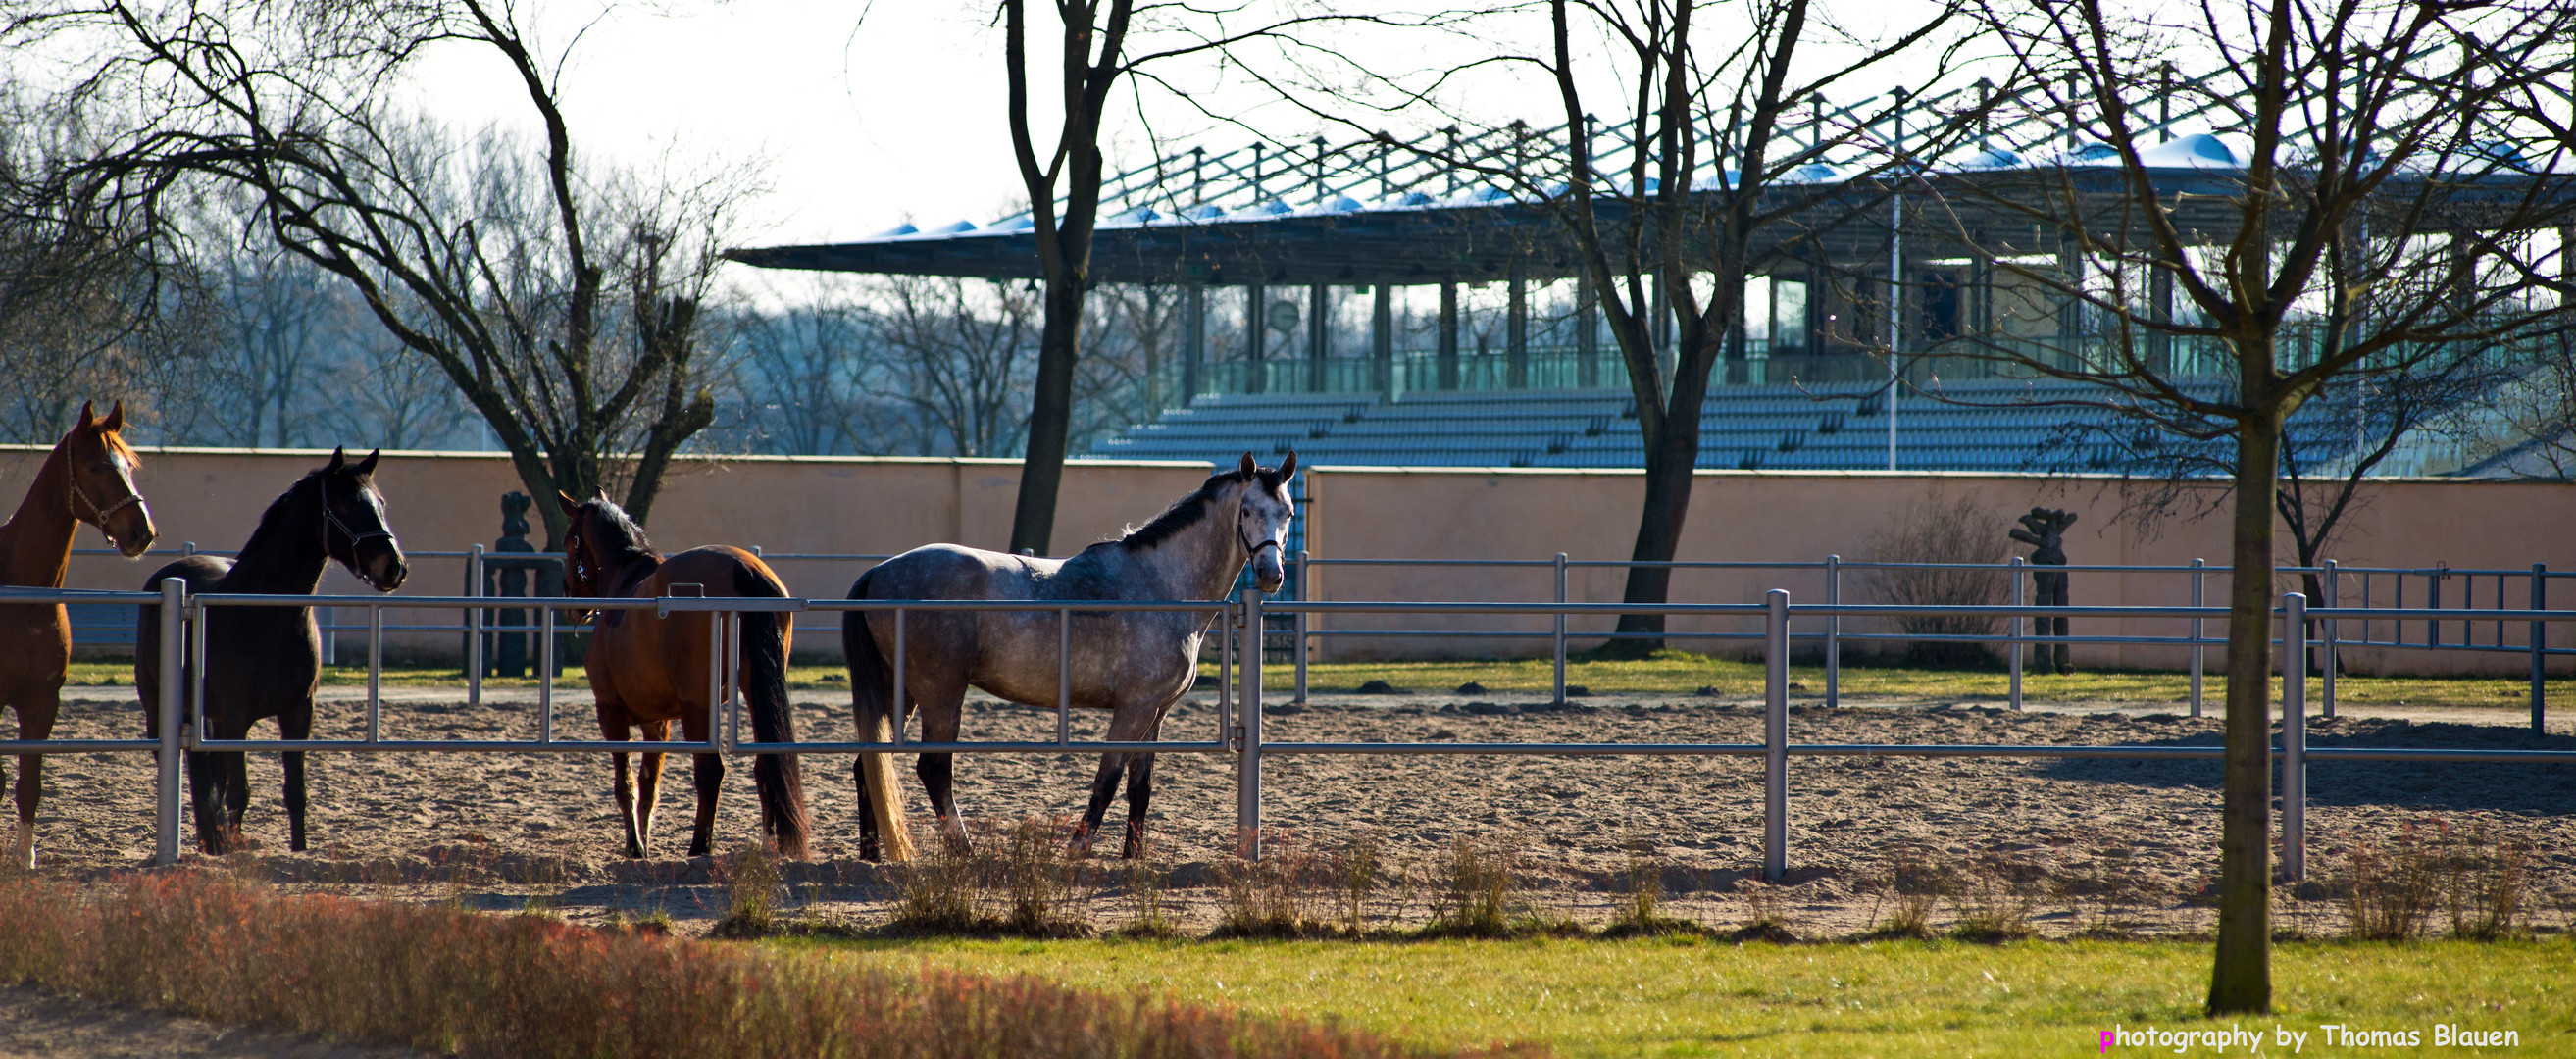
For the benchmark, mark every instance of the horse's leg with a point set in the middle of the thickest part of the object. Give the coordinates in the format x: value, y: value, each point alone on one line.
x: 708, y: 770
x: 1140, y: 795
x: 295, y: 723
x: 648, y: 779
x: 36, y: 710
x: 613, y: 727
x: 236, y: 790
x: 870, y: 848
x: 1104, y: 786
x: 939, y: 724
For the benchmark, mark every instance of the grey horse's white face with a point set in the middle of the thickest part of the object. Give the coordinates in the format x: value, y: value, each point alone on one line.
x: 1261, y: 523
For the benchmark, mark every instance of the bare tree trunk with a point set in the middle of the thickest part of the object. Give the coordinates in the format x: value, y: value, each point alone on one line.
x: 2242, y: 980
x: 1050, y: 418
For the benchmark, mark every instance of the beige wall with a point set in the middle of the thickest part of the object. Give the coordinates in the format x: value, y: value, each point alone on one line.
x: 451, y: 501
x: 1750, y: 516
x: 448, y: 501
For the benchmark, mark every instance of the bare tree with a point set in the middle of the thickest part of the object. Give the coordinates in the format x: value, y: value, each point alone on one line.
x: 2399, y: 157
x: 561, y: 300
x: 959, y: 351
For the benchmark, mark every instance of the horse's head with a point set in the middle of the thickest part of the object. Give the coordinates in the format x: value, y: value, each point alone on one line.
x: 102, y: 481
x: 1261, y: 519
x: 353, y: 523
x: 599, y: 540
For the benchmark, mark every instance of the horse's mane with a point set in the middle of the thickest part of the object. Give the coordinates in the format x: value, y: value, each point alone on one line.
x: 618, y: 535
x: 1188, y: 510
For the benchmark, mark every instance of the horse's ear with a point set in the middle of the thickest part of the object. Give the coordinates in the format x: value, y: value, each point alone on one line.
x: 2070, y: 519
x: 339, y: 459
x: 88, y: 417
x: 1288, y: 467
x: 570, y: 506
x: 1250, y: 466
x: 368, y: 466
x: 115, y: 420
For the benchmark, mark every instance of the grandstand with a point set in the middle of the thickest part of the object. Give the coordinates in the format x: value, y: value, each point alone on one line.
x: 1983, y: 425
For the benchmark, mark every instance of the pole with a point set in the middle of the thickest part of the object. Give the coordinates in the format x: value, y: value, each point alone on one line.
x: 2199, y: 591
x: 375, y: 675
x: 1775, y: 736
x: 1834, y: 632
x: 1247, y: 778
x: 474, y: 628
x: 2294, y: 736
x: 174, y: 654
x: 1302, y: 626
x: 2012, y: 628
x: 546, y: 674
x: 2327, y: 699
x: 2539, y: 649
x: 1560, y: 629
x: 900, y: 702
x: 1895, y: 284
x: 1063, y: 675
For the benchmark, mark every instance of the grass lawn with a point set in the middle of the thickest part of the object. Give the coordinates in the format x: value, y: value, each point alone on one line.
x: 1669, y: 672
x: 1683, y: 997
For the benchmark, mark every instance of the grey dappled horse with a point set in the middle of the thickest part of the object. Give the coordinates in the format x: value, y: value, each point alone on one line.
x: 1134, y: 664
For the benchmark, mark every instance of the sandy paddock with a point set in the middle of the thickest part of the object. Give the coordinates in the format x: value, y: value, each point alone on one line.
x: 502, y: 830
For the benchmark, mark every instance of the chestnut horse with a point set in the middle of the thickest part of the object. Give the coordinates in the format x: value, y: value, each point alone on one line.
x: 1134, y: 664
x: 646, y: 670
x: 89, y: 477
x: 266, y: 662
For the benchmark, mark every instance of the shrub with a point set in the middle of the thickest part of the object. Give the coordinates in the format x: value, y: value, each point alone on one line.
x: 2486, y: 888
x: 445, y: 981
x: 2392, y: 891
x: 1477, y: 889
x: 1941, y: 528
x: 1355, y: 870
x: 1912, y: 886
x: 1047, y: 887
x: 939, y: 889
x: 1995, y: 898
x: 751, y: 880
x: 1265, y: 898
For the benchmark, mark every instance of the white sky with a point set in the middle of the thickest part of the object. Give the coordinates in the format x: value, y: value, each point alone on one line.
x: 861, y: 117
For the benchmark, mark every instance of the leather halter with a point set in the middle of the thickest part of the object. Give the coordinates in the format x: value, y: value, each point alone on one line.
x: 355, y: 537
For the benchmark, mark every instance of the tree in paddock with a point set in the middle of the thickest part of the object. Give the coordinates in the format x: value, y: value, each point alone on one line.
x: 561, y: 299
x: 2388, y: 201
x: 1705, y: 197
x: 1099, y: 42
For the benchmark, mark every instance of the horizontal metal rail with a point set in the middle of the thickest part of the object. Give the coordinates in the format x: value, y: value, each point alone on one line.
x: 1240, y: 702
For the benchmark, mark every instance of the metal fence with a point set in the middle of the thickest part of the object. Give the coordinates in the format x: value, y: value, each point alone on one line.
x: 184, y: 620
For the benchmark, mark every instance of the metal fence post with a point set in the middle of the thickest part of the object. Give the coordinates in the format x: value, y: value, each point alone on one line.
x: 1560, y: 628
x: 546, y: 674
x: 1775, y: 736
x: 174, y: 655
x: 2013, y: 628
x: 1064, y: 675
x: 1247, y: 776
x: 2326, y: 699
x: 1302, y: 594
x: 2294, y: 736
x: 375, y: 673
x: 2199, y: 592
x: 2539, y: 648
x: 1834, y: 631
x: 474, y: 628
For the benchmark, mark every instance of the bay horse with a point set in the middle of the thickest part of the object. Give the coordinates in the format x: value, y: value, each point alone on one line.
x: 89, y: 477
x: 264, y: 662
x: 646, y: 670
x: 1135, y: 664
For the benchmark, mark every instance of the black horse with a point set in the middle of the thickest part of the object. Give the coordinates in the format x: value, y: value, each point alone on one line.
x: 267, y: 661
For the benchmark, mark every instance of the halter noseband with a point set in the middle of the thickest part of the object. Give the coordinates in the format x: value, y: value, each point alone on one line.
x: 355, y: 538
x: 99, y: 514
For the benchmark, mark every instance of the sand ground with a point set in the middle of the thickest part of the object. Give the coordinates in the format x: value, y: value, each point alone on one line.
x: 2088, y: 839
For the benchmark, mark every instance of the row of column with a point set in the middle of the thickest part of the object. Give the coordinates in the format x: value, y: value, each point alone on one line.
x: 1318, y: 319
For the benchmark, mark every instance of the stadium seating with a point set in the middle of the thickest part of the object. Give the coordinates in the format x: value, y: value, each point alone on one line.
x: 2004, y: 425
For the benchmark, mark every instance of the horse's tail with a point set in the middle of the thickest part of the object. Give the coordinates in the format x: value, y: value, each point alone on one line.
x: 779, y: 777
x: 873, y: 700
